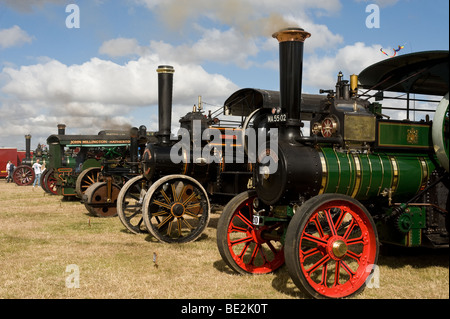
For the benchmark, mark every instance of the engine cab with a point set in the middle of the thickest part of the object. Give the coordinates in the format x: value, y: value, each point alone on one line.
x: 344, y: 116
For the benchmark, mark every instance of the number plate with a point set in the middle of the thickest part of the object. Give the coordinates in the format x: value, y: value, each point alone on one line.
x: 276, y: 118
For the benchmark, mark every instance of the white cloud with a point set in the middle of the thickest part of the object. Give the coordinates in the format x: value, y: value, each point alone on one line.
x: 226, y: 47
x: 120, y: 47
x: 13, y: 37
x: 321, y: 72
x: 97, y: 94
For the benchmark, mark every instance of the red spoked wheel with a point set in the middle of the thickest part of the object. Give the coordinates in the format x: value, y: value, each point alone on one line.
x: 331, y: 247
x: 23, y: 175
x: 48, y: 182
x: 245, y: 247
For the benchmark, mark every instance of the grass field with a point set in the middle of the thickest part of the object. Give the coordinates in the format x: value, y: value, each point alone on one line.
x: 45, y: 242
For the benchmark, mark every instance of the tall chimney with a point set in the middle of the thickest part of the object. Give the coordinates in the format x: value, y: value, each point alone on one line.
x: 61, y: 129
x: 291, y: 42
x: 28, y: 148
x: 165, y: 87
x: 134, y: 132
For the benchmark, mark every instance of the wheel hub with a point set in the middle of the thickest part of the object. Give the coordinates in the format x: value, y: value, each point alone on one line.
x: 177, y: 209
x: 339, y: 248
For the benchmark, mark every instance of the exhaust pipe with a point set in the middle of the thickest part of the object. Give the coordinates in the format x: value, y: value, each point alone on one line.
x: 291, y: 41
x: 134, y: 149
x: 165, y: 87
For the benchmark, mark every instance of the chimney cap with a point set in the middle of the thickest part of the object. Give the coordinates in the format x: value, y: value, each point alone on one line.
x: 291, y: 34
x: 165, y: 69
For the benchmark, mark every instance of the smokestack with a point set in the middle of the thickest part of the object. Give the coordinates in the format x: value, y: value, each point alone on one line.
x: 28, y: 148
x: 134, y: 149
x: 61, y: 129
x: 165, y: 87
x: 291, y: 42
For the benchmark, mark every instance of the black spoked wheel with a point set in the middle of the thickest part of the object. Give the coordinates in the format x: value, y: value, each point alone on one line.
x: 176, y: 209
x: 86, y: 178
x: 130, y: 202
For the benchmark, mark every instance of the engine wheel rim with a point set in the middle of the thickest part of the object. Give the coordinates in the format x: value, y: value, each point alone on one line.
x: 176, y: 210
x: 87, y: 178
x: 337, y: 249
x: 99, y: 202
x: 248, y: 245
x: 23, y: 175
x: 130, y: 202
x: 50, y: 183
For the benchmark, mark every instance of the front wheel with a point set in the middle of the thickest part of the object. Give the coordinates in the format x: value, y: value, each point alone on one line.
x: 48, y: 182
x: 176, y: 209
x: 101, y: 201
x: 331, y: 247
x: 245, y: 247
x: 129, y: 204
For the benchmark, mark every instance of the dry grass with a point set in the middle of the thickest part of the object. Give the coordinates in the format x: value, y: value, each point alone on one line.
x: 40, y: 235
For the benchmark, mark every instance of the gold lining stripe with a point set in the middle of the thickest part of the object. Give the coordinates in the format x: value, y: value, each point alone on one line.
x: 370, y: 175
x: 424, y: 174
x: 339, y: 170
x: 396, y: 175
x: 382, y: 175
x: 358, y: 175
x: 324, y: 185
x: 350, y: 174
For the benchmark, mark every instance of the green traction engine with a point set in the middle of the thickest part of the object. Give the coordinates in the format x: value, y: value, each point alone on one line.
x: 356, y: 180
x: 74, y: 161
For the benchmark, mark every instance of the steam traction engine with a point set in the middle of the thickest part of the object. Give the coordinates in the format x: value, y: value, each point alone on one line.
x: 74, y: 160
x: 100, y: 197
x: 23, y: 174
x: 357, y: 180
x: 171, y: 198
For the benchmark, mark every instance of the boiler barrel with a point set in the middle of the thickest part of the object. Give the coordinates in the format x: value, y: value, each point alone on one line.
x: 304, y: 172
x: 364, y: 176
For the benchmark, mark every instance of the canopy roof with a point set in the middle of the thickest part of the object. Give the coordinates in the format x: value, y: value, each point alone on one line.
x: 421, y: 73
x: 245, y: 101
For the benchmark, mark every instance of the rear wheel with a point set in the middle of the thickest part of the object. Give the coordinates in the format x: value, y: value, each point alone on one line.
x: 247, y: 248
x: 23, y: 175
x: 86, y: 178
x: 331, y: 247
x: 100, y: 201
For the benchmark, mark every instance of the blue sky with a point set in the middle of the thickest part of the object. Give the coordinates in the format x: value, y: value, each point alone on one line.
x: 102, y: 75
